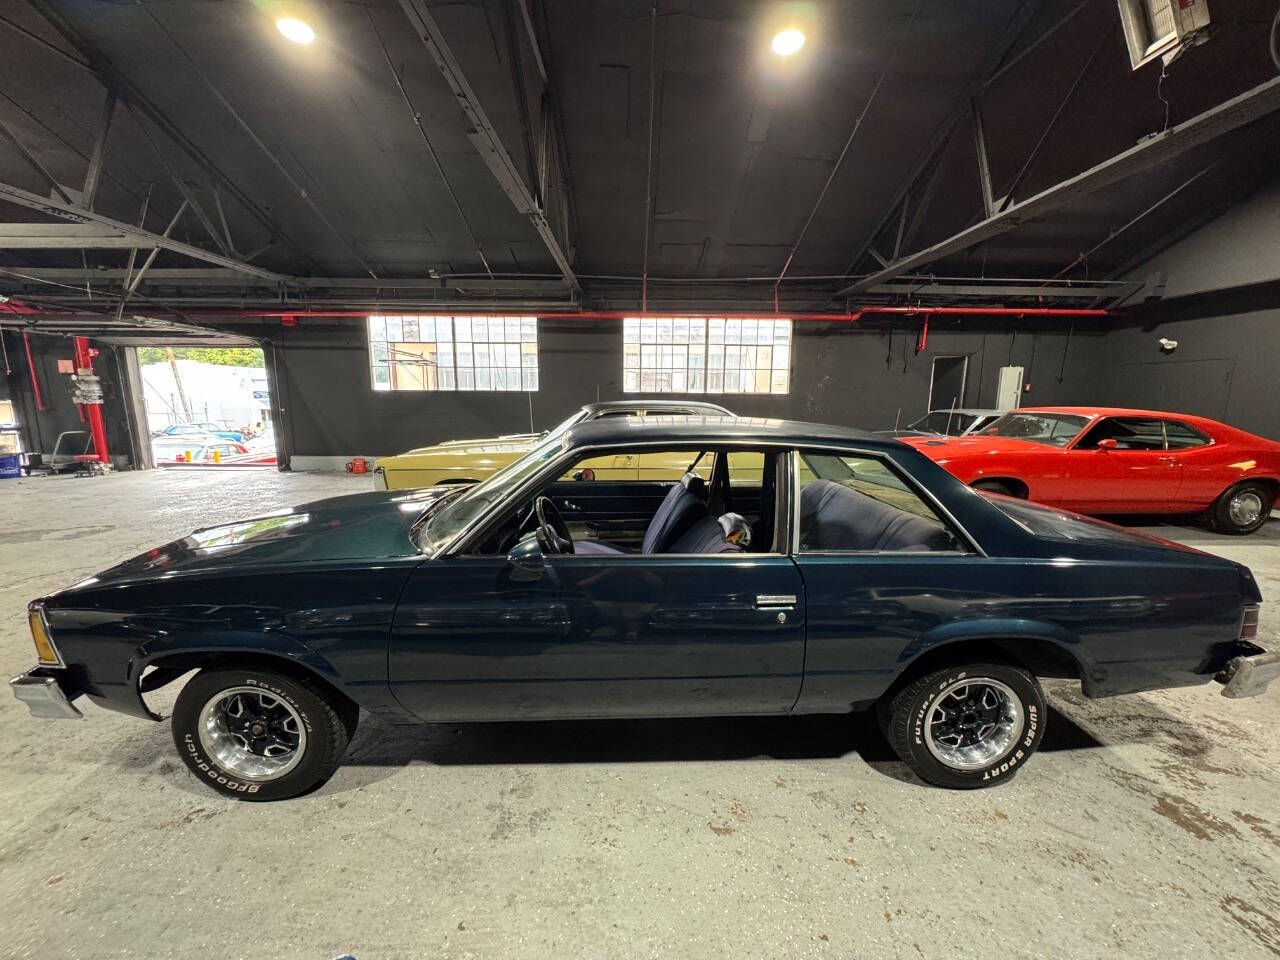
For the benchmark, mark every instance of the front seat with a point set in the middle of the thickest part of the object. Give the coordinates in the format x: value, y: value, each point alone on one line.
x: 729, y: 533
x: 683, y: 506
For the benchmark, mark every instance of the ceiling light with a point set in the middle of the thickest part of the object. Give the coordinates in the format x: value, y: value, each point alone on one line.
x: 788, y: 42
x: 300, y: 32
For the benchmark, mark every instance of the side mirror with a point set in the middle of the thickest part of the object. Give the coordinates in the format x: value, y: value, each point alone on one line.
x: 586, y: 473
x: 1107, y: 443
x: 527, y: 561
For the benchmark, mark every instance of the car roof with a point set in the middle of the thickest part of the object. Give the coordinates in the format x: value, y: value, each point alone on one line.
x: 1116, y: 412
x: 693, y: 430
x: 604, y: 406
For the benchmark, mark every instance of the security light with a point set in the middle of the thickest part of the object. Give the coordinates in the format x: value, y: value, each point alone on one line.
x: 296, y: 30
x: 788, y: 42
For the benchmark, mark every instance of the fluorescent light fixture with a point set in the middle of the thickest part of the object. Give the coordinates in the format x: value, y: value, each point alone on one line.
x: 300, y: 32
x: 788, y: 42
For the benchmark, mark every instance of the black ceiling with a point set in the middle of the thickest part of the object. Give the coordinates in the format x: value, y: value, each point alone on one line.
x: 314, y: 154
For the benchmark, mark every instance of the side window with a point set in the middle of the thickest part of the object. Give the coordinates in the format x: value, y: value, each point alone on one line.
x: 852, y: 503
x: 1129, y: 433
x: 746, y: 469
x: 1182, y: 437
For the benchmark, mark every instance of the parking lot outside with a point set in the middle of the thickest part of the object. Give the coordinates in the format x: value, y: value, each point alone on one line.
x: 1146, y: 826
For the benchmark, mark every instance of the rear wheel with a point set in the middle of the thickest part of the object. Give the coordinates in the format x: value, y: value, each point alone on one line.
x: 1242, y: 509
x: 967, y: 726
x: 257, y: 735
x: 993, y: 486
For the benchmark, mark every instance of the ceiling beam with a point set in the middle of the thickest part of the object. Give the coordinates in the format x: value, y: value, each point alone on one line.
x: 56, y: 236
x: 484, y: 136
x: 106, y: 73
x: 1159, y: 148
x: 141, y: 237
x: 942, y: 133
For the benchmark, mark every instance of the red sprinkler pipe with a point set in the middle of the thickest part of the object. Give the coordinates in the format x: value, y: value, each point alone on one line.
x: 84, y: 361
x: 31, y: 368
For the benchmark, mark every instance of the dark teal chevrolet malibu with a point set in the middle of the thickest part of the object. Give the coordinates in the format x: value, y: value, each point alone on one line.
x: 795, y: 568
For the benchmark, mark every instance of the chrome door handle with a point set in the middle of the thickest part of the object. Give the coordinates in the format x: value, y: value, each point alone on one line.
x: 775, y: 600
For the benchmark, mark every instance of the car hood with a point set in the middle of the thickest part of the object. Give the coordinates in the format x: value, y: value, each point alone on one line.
x: 952, y: 448
x: 362, y: 526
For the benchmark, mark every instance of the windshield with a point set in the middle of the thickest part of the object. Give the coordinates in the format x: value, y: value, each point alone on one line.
x: 454, y: 514
x: 1054, y: 429
x: 944, y: 421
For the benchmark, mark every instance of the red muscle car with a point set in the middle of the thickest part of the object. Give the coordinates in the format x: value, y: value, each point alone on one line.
x: 1103, y: 460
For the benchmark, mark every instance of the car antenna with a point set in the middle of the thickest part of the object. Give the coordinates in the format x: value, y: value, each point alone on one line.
x: 897, y: 420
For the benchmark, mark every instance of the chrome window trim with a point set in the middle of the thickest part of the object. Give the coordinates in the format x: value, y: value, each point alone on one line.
x: 461, y: 539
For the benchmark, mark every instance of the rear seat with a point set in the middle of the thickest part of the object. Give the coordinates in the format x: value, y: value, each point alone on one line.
x: 835, y: 517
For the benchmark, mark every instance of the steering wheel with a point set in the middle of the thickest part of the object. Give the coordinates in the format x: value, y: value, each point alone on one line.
x: 553, y: 532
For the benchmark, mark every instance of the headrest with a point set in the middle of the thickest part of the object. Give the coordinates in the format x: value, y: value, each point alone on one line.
x: 694, y: 484
x: 736, y: 529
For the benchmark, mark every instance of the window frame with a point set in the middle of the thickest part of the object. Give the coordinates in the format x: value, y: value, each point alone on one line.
x: 705, y: 344
x: 561, y: 465
x: 455, y: 371
x: 942, y: 514
x: 1205, y: 439
x: 480, y: 525
x: 1103, y: 421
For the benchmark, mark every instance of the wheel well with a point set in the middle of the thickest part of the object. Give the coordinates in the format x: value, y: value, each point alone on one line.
x: 1038, y: 656
x: 1016, y: 486
x: 168, y: 668
x: 1271, y: 483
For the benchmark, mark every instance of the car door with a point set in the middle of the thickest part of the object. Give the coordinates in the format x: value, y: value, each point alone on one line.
x: 1137, y: 474
x: 881, y: 569
x: 600, y: 635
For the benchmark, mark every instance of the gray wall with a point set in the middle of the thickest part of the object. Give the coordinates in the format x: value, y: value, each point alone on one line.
x: 1222, y: 305
x: 845, y: 374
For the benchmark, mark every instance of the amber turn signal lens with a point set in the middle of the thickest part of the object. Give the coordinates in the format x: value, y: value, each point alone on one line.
x: 40, y: 634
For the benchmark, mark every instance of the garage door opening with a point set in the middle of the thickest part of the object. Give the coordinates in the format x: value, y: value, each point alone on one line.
x: 207, y: 407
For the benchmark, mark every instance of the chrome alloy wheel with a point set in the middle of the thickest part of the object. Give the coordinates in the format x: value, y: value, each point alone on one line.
x: 973, y: 723
x: 252, y: 733
x: 1245, y: 508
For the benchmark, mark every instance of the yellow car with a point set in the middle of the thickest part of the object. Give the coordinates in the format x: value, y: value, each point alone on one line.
x: 467, y: 461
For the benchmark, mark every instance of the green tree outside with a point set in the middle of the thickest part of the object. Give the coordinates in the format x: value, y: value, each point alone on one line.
x: 222, y: 356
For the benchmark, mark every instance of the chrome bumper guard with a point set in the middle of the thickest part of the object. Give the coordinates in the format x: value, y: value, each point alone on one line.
x: 43, y: 697
x: 1249, y: 676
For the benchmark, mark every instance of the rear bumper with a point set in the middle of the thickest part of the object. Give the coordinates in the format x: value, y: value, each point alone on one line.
x: 1249, y: 676
x: 40, y: 690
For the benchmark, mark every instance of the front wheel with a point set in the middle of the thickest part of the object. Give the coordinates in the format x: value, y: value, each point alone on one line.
x: 1242, y: 509
x: 967, y: 726
x: 256, y: 735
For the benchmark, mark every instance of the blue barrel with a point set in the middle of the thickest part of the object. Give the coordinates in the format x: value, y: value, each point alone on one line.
x: 10, y: 466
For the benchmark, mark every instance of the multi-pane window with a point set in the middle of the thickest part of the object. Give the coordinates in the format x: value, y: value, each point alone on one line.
x: 705, y: 355
x: 453, y: 353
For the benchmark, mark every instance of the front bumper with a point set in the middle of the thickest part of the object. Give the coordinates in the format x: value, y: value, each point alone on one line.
x: 1249, y: 676
x: 43, y: 695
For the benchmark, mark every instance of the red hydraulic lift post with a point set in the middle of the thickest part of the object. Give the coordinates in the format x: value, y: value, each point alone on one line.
x: 93, y: 411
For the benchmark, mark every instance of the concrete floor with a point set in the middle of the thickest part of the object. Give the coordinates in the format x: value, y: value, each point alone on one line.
x: 1147, y: 826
